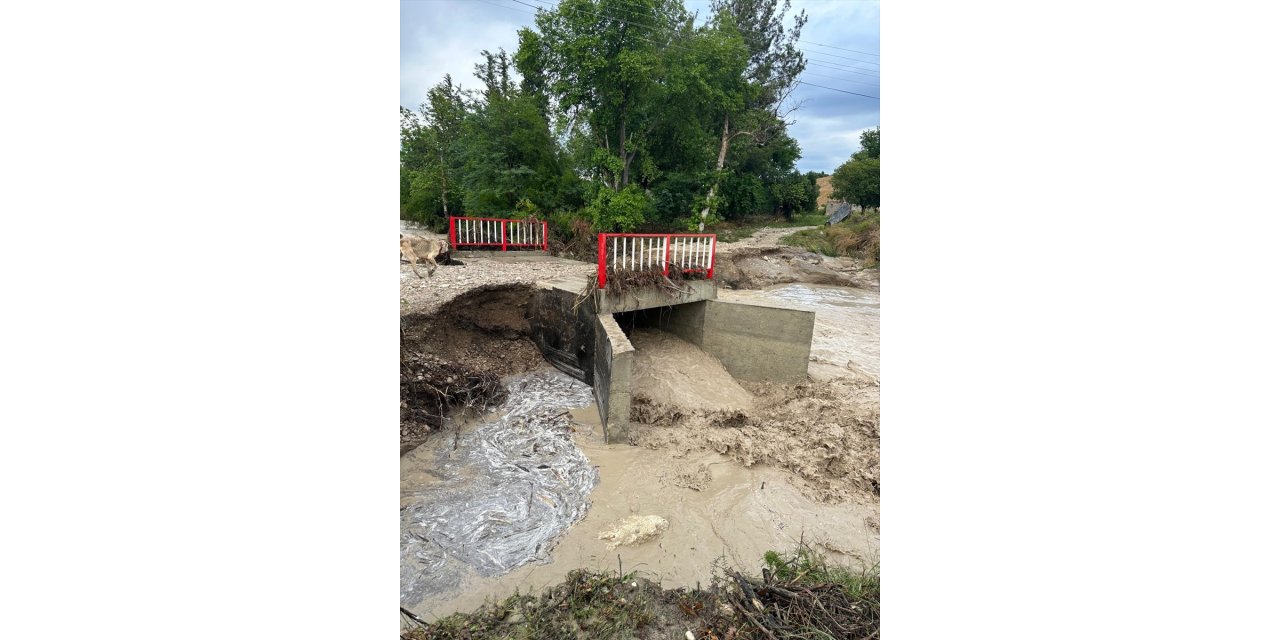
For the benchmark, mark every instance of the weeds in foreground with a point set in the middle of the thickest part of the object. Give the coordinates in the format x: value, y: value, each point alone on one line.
x: 800, y: 595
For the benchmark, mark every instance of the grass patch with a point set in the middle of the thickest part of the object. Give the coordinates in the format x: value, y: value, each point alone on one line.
x: 855, y: 238
x: 799, y: 595
x: 740, y: 229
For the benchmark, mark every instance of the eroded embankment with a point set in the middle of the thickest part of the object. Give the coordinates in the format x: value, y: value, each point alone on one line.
x: 759, y: 267
x: 456, y: 357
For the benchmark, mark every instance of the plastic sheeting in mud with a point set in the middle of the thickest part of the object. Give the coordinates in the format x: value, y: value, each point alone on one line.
x: 513, y: 484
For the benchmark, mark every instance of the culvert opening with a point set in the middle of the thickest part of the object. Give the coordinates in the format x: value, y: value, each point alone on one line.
x: 655, y: 318
x: 671, y: 376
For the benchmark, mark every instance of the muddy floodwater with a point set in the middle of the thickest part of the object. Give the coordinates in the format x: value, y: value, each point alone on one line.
x: 497, y: 500
x: 531, y: 486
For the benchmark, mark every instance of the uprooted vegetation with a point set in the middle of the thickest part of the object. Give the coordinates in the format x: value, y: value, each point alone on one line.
x: 455, y: 358
x: 799, y: 595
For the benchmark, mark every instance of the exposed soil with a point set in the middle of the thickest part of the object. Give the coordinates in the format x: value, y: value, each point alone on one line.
x: 456, y: 357
x: 825, y: 188
x: 464, y: 274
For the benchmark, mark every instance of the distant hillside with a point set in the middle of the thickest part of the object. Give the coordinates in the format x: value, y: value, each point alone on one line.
x: 824, y: 191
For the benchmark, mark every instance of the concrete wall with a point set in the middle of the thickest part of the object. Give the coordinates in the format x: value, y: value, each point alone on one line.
x: 695, y: 290
x: 752, y: 342
x: 686, y: 321
x: 758, y: 343
x: 612, y: 387
x: 565, y: 335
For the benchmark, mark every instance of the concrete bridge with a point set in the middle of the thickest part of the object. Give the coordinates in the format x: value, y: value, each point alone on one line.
x: 580, y: 330
x: 579, y: 324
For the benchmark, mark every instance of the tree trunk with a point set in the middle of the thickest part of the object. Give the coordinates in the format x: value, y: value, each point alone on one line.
x: 622, y: 147
x: 711, y: 195
x: 444, y: 191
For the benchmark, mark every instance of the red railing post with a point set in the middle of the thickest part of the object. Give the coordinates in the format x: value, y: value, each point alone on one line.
x: 666, y: 258
x: 711, y: 271
x: 544, y: 236
x: 503, y: 225
x: 600, y: 261
x: 453, y: 232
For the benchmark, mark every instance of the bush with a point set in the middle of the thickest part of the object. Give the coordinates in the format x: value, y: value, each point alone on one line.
x: 620, y: 211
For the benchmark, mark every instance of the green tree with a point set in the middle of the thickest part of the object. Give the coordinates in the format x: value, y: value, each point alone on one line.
x: 870, y: 144
x: 857, y: 181
x: 752, y: 100
x: 506, y: 149
x: 606, y: 66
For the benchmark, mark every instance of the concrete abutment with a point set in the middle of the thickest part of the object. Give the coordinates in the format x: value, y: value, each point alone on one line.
x: 578, y: 332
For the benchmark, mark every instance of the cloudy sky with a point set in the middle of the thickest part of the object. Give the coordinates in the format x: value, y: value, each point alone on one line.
x: 446, y: 36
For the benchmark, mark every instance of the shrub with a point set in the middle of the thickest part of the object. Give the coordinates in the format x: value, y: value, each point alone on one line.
x: 621, y: 210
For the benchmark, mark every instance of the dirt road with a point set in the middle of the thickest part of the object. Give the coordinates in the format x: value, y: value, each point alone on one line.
x: 766, y: 237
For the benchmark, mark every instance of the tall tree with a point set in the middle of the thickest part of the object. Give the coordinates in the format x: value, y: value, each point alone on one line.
x: 753, y: 102
x: 603, y: 62
x: 507, y: 150
x: 443, y: 113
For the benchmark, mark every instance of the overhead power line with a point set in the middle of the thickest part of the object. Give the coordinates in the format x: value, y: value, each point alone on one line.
x: 840, y: 90
x: 830, y: 46
x: 509, y: 7
x: 844, y: 69
x: 869, y: 84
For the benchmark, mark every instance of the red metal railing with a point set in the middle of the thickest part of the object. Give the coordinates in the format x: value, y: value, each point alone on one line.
x: 689, y: 252
x: 496, y: 232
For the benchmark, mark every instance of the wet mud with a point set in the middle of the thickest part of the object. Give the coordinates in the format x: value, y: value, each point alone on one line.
x: 732, y: 517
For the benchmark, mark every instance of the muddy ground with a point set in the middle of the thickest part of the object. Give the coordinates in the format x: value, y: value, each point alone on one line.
x: 756, y: 266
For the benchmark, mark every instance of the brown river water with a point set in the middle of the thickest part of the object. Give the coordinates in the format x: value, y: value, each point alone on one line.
x: 518, y: 512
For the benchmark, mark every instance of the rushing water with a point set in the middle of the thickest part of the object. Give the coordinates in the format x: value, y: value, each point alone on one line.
x: 498, y: 500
